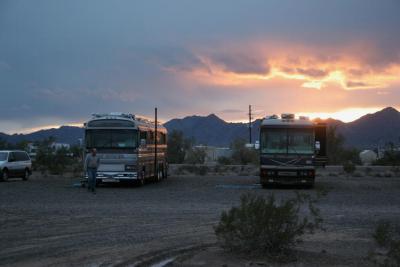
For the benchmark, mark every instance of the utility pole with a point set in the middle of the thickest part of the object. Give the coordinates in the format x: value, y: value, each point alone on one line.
x: 155, y: 144
x: 250, y: 118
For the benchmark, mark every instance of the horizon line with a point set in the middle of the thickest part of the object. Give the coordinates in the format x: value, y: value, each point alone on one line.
x: 315, y: 117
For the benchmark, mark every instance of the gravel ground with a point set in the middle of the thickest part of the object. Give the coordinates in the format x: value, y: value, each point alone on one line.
x: 48, y: 221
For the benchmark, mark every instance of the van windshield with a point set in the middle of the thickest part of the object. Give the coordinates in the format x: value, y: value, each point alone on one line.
x: 3, y: 156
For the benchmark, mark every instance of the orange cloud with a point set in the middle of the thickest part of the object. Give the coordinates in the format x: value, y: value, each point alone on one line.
x: 349, y: 67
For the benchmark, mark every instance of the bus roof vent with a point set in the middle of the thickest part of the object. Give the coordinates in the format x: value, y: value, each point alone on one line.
x: 113, y: 115
x: 272, y: 117
x: 287, y: 116
x: 304, y: 118
x: 117, y: 114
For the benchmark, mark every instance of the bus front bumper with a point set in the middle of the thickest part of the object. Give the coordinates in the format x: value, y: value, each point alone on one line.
x: 114, y: 177
x: 287, y: 175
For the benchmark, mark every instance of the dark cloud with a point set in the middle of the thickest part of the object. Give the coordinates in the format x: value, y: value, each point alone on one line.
x: 176, y: 58
x: 62, y: 60
x: 242, y: 63
x: 310, y: 72
x: 232, y: 111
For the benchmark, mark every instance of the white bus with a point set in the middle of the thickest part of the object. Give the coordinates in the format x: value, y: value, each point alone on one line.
x: 131, y: 148
x: 290, y: 148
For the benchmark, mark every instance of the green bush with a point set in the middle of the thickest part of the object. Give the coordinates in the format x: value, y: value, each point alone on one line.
x: 243, y: 155
x: 201, y: 170
x: 224, y: 160
x: 266, y: 226
x: 195, y: 155
x: 51, y: 160
x: 349, y: 167
x: 387, y: 237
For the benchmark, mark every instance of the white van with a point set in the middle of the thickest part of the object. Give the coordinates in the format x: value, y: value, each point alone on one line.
x: 15, y: 164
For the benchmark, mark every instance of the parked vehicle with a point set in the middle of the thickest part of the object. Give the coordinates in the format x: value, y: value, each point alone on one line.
x: 15, y: 164
x: 131, y: 148
x: 290, y: 149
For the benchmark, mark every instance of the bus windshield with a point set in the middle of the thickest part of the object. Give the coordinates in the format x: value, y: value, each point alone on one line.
x: 287, y: 141
x: 111, y: 138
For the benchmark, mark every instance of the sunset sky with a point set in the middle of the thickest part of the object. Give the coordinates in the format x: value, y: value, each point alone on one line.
x: 61, y: 61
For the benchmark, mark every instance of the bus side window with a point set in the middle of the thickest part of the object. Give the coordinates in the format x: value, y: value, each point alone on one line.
x: 142, y: 136
x: 150, y: 139
x: 161, y: 139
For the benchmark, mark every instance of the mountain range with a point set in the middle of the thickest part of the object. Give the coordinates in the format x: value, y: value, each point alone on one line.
x: 368, y: 131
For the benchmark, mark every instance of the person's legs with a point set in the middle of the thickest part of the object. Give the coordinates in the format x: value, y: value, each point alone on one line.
x: 94, y: 180
x: 89, y: 184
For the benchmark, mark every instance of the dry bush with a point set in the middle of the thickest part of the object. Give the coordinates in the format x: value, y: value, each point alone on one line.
x: 387, y: 237
x: 266, y: 226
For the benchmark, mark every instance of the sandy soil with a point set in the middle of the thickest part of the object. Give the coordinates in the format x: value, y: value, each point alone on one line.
x: 48, y: 221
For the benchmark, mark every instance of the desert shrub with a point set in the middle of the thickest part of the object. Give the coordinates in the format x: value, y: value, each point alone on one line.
x: 387, y: 237
x: 60, y: 161
x: 349, y: 167
x: 224, y: 160
x: 77, y: 169
x: 391, y: 156
x: 357, y: 174
x: 188, y: 168
x: 396, y: 170
x: 177, y: 147
x: 196, y: 155
x: 194, y: 169
x: 267, y: 226
x: 368, y: 170
x: 382, y: 233
x: 337, y: 152
x: 243, y: 155
x: 201, y: 170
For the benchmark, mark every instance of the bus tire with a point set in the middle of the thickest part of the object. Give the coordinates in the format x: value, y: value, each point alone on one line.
x: 163, y: 173
x: 159, y: 174
x: 142, y: 179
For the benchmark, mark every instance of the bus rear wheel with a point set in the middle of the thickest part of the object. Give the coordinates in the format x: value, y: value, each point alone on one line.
x: 142, y: 178
x: 160, y: 174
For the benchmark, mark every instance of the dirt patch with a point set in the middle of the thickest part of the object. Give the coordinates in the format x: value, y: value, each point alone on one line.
x: 49, y: 222
x: 215, y: 256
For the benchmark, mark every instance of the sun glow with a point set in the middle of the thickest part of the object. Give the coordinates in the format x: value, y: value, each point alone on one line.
x: 46, y: 127
x: 314, y: 68
x: 345, y: 115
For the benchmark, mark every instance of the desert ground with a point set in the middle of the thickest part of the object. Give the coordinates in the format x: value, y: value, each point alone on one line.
x: 51, y: 221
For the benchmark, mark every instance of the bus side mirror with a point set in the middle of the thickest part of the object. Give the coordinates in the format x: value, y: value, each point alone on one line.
x: 317, y: 146
x: 142, y: 142
x: 257, y: 145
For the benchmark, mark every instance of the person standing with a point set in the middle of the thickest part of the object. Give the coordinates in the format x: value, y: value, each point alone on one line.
x: 92, y: 163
